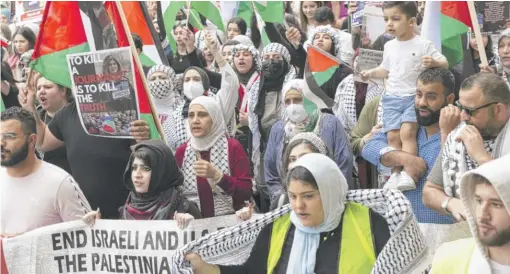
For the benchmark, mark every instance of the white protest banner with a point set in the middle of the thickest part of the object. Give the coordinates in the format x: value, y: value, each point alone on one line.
x: 105, y: 91
x: 111, y: 246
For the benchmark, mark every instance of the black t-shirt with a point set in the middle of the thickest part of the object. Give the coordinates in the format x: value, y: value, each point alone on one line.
x: 58, y: 156
x: 97, y: 163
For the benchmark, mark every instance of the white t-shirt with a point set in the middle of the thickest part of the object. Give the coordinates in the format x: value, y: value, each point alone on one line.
x: 402, y: 59
x: 48, y: 196
x: 478, y: 264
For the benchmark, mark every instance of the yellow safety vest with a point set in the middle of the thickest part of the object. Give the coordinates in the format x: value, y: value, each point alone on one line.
x: 356, y: 233
x: 454, y: 257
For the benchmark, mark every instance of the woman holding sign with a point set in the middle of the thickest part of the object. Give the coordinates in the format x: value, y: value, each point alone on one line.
x: 216, y: 168
x: 322, y: 234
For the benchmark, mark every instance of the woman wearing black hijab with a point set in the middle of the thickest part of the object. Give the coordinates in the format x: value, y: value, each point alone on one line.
x: 154, y: 178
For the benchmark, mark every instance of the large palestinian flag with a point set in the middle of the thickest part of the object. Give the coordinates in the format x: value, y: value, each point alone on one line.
x: 443, y: 24
x: 143, y: 99
x: 61, y: 33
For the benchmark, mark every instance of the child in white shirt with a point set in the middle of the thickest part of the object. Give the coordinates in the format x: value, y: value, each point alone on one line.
x: 404, y: 58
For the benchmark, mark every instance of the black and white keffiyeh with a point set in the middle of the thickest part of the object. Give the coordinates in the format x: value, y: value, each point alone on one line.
x: 254, y: 53
x: 219, y: 158
x: 345, y: 101
x: 253, y: 120
x: 456, y: 161
x: 334, y: 37
x: 404, y: 253
x: 178, y: 133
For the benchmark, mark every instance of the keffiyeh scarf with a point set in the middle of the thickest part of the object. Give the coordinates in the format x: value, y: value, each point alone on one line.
x: 456, y: 161
x: 345, y: 101
x: 253, y: 119
x: 334, y: 37
x: 178, y: 133
x: 219, y: 158
x: 404, y: 253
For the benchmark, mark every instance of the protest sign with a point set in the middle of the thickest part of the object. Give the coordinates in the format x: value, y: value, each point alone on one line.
x: 30, y: 11
x: 373, y: 36
x: 495, y: 16
x: 111, y: 246
x: 104, y: 89
x: 357, y: 16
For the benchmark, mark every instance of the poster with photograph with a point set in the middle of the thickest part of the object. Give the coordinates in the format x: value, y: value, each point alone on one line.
x: 495, y: 16
x: 104, y: 89
x: 30, y: 11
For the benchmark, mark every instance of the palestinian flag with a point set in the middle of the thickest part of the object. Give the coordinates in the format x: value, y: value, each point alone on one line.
x: 138, y: 18
x: 445, y: 33
x: 319, y: 68
x: 169, y: 10
x: 210, y: 11
x: 143, y: 99
x: 109, y: 125
x: 61, y: 33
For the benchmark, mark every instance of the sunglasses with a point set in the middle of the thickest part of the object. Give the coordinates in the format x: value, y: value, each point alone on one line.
x: 471, y: 111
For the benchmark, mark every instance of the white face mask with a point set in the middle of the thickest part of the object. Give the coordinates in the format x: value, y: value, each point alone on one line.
x: 296, y: 113
x: 193, y: 89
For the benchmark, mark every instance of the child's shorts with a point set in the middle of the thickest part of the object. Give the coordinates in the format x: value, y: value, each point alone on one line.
x: 397, y: 110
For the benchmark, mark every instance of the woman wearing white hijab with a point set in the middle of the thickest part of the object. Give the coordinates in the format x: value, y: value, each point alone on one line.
x: 322, y: 234
x: 302, y: 110
x: 216, y: 169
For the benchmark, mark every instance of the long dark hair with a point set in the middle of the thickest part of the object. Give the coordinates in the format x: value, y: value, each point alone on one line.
x: 28, y: 34
x: 241, y: 24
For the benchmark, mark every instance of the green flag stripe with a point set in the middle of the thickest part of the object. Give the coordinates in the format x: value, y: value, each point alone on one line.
x: 194, y: 19
x: 169, y: 15
x: 209, y: 11
x: 54, y: 67
x: 146, y: 61
x: 153, y: 129
x: 324, y: 76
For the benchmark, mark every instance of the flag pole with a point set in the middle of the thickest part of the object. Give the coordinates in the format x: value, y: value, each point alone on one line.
x: 138, y: 65
x: 478, y: 34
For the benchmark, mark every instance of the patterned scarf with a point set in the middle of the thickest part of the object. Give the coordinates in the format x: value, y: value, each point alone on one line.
x: 219, y: 158
x: 345, y: 101
x: 254, y: 93
x: 178, y: 133
x: 233, y: 245
x: 161, y: 207
x: 456, y: 161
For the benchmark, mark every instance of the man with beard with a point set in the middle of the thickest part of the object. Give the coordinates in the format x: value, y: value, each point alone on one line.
x: 485, y: 196
x: 33, y: 193
x: 484, y: 134
x: 434, y: 91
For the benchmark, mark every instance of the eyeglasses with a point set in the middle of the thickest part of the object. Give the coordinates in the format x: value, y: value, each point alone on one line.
x: 471, y: 111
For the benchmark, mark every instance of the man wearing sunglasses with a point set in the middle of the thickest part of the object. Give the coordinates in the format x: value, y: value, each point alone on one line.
x: 483, y: 111
x: 33, y: 193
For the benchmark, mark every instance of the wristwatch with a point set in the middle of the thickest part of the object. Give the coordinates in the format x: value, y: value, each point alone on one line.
x: 444, y: 204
